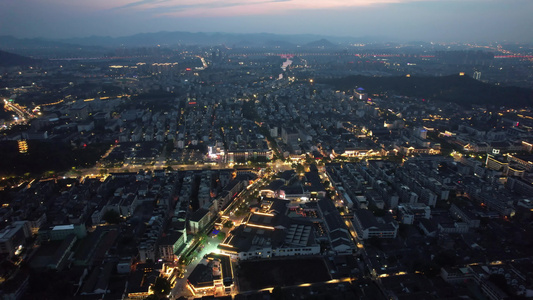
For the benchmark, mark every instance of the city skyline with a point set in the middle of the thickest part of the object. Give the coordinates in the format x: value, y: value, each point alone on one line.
x: 396, y: 20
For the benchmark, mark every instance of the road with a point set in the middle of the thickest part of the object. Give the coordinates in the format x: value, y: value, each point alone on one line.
x: 96, y: 170
x: 180, y: 288
x: 22, y: 115
x: 21, y: 112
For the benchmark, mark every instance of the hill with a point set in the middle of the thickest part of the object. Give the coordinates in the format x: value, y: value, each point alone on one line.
x: 12, y: 60
x: 95, y: 45
x: 208, y: 38
x: 322, y: 43
x: 462, y: 90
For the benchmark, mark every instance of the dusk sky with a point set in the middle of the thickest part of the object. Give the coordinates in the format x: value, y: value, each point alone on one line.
x: 429, y: 20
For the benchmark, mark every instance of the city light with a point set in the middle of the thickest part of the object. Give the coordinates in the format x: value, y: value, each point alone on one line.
x: 186, y: 160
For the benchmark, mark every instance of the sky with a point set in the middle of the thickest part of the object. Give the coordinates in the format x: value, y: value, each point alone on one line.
x: 398, y: 20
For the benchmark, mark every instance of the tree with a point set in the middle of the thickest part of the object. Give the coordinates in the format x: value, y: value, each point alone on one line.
x: 202, y: 237
x: 500, y: 281
x: 327, y: 184
x: 169, y: 147
x: 445, y: 258
x: 300, y: 168
x: 112, y: 217
x: 403, y: 230
x: 277, y: 293
x: 375, y: 242
x: 161, y: 287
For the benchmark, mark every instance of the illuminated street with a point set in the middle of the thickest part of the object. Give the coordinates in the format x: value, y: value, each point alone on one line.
x: 180, y: 289
x: 184, y: 164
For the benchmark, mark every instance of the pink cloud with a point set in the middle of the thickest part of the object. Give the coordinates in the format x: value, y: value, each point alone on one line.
x: 207, y: 8
x: 73, y: 4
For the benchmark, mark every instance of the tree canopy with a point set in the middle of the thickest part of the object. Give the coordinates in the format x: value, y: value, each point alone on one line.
x: 462, y: 90
x: 161, y: 287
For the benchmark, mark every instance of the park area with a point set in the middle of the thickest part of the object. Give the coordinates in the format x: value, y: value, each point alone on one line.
x: 255, y: 275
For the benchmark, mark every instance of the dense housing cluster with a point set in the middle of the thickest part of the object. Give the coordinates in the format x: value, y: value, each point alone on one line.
x: 247, y: 173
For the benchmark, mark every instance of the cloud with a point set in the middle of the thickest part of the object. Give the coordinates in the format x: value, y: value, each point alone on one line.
x: 141, y: 3
x: 236, y: 7
x: 408, y: 19
x: 202, y: 8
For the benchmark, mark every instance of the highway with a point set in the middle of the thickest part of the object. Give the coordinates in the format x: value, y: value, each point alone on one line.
x: 22, y: 114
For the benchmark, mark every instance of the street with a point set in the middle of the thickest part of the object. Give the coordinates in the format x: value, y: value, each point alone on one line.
x: 180, y: 288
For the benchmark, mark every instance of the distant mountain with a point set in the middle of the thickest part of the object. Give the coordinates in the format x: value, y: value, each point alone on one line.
x: 216, y: 38
x: 12, y: 60
x: 188, y: 38
x: 280, y: 44
x: 8, y: 43
x: 42, y: 48
x: 322, y: 43
x: 95, y: 46
x: 462, y: 90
